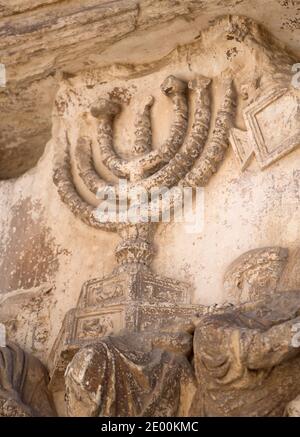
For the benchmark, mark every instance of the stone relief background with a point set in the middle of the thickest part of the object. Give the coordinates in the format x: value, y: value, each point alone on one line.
x: 43, y: 242
x: 46, y: 253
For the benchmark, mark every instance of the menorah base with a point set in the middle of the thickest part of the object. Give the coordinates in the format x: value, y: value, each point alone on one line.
x: 132, y: 302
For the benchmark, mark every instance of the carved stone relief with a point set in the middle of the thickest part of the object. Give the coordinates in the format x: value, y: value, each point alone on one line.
x: 144, y: 374
x: 27, y: 312
x: 241, y: 147
x: 188, y: 158
x: 147, y: 302
x: 133, y: 301
x: 23, y: 384
x: 273, y: 130
x: 293, y: 408
x: 247, y: 358
x: 136, y: 343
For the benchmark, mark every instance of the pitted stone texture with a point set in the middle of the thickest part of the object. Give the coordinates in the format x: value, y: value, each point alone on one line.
x: 124, y: 302
x: 39, y: 39
x: 23, y: 384
x: 255, y: 273
x: 134, y: 375
x: 245, y: 362
x: 247, y: 358
x: 293, y: 408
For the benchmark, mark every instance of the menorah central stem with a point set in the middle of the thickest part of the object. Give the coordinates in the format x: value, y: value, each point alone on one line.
x: 135, y: 251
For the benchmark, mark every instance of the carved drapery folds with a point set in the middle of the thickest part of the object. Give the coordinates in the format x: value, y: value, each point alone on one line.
x: 247, y: 356
x: 138, y: 375
x: 245, y: 360
x: 23, y: 384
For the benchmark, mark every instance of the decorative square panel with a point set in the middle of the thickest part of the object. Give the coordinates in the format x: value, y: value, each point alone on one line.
x: 121, y: 287
x: 153, y: 288
x: 273, y: 124
x: 97, y: 291
x: 122, y: 301
x: 90, y: 325
x: 151, y: 317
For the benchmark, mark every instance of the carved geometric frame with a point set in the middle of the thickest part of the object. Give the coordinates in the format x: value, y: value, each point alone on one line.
x: 115, y: 313
x: 241, y: 146
x: 263, y: 155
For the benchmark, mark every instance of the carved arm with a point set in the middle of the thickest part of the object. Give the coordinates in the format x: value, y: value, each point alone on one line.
x: 171, y: 173
x: 62, y: 178
x: 84, y: 168
x: 215, y: 151
x: 273, y: 346
x: 105, y: 111
x: 176, y: 90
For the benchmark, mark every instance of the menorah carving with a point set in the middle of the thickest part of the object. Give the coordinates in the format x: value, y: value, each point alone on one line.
x: 129, y: 298
x: 183, y: 160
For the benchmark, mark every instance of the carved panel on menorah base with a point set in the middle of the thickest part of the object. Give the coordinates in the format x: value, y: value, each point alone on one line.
x: 82, y: 326
x: 152, y: 317
x: 125, y: 286
x: 132, y: 302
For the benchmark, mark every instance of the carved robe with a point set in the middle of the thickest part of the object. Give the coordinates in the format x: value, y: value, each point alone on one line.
x: 121, y: 377
x: 23, y: 384
x: 246, y: 362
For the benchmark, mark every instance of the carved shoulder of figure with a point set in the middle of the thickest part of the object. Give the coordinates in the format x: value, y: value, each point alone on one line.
x: 23, y: 384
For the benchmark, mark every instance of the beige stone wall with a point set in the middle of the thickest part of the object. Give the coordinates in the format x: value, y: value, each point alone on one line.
x: 47, y: 254
x: 45, y: 246
x: 39, y: 40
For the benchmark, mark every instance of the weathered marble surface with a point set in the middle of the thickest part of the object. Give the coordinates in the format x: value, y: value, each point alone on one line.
x: 23, y: 384
x: 245, y: 362
x: 247, y: 358
x: 40, y: 41
x: 132, y: 375
x: 293, y: 408
x: 40, y: 239
x: 69, y: 64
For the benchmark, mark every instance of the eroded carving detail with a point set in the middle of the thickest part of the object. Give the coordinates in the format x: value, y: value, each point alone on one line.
x: 134, y: 375
x: 23, y: 384
x: 236, y: 349
x: 135, y: 308
x: 176, y: 164
x: 146, y: 302
x: 246, y: 361
x: 273, y: 131
x: 215, y: 151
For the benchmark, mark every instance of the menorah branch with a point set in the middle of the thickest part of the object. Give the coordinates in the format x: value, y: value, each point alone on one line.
x: 84, y: 167
x: 215, y: 151
x: 105, y: 111
x: 143, y: 132
x: 75, y: 174
x: 62, y: 177
x: 183, y: 160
